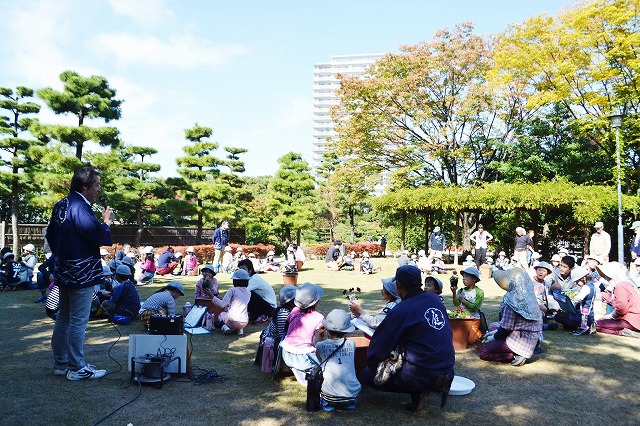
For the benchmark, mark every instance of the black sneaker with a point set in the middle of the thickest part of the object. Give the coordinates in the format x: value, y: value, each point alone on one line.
x: 580, y: 332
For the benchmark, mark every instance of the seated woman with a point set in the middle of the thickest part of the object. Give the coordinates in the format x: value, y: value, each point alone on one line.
x: 418, y: 324
x: 621, y: 294
x: 388, y: 294
x: 263, y: 298
x: 470, y: 297
x: 517, y: 333
x: 305, y: 329
x: 207, y: 286
x: 162, y: 302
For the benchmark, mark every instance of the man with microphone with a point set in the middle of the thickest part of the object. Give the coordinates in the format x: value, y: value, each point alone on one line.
x: 75, y: 237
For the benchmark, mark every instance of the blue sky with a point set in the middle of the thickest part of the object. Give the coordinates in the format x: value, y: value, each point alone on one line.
x: 243, y: 68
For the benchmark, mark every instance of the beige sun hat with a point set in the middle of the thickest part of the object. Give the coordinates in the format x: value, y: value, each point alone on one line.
x: 502, y: 277
x: 611, y: 270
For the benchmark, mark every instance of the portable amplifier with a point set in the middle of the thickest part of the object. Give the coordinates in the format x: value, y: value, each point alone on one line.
x: 166, y: 324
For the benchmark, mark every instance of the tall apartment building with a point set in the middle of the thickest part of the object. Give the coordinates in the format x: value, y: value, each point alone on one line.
x: 325, y: 85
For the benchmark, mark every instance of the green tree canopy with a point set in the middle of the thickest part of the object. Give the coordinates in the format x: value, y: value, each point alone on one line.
x: 86, y: 98
x: 291, y: 201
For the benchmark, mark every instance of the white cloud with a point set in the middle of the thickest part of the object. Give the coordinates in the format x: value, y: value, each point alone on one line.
x: 136, y: 97
x: 184, y: 52
x: 36, y: 31
x: 143, y: 12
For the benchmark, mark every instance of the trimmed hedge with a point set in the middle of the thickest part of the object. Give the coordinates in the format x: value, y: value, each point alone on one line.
x: 205, y: 252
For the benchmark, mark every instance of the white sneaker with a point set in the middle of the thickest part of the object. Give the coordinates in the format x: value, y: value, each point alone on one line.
x: 86, y: 372
x: 226, y: 329
x: 241, y: 331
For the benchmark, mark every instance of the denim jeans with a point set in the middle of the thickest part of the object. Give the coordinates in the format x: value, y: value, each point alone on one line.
x: 67, y: 340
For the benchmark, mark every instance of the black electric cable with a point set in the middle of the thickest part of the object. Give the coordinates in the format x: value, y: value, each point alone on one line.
x: 121, y: 406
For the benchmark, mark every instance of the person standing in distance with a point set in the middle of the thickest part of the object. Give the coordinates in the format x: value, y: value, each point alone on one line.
x: 75, y: 237
x: 220, y: 241
x: 481, y: 238
x: 600, y: 242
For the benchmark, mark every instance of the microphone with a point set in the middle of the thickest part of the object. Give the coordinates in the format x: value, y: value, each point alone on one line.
x: 103, y: 200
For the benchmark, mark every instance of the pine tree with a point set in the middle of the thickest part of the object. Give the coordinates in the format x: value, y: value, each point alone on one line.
x: 15, y: 149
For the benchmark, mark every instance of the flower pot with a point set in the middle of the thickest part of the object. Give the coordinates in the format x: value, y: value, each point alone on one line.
x: 299, y: 265
x: 465, y: 332
x: 290, y: 278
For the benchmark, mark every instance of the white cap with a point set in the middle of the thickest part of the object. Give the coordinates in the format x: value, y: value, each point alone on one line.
x: 30, y: 248
x: 148, y: 250
x: 189, y: 249
x: 104, y: 252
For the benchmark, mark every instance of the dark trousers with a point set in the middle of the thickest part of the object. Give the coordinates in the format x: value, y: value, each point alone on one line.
x: 258, y: 306
x: 481, y: 256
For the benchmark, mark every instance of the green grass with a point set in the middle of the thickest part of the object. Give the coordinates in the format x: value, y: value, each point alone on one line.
x: 577, y: 380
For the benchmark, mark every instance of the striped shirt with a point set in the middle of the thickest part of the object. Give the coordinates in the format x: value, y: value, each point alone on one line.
x: 158, y: 300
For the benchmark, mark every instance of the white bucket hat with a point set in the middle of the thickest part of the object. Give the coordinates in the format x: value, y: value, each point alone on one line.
x: 308, y: 295
x: 338, y: 321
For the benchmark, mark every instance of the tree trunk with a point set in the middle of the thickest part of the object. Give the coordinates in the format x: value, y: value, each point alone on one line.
x: 298, y: 237
x: 199, y: 231
x: 585, y: 245
x: 140, y: 227
x: 427, y: 226
x: 79, y: 146
x: 352, y: 224
x: 15, y: 210
x: 457, y: 239
x: 404, y: 230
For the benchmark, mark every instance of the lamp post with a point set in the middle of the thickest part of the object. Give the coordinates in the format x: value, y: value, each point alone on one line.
x: 616, y: 123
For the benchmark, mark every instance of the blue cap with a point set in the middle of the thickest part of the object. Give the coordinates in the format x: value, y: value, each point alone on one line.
x: 409, y: 276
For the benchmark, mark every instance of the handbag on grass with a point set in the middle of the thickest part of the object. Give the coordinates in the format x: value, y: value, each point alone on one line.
x: 389, y: 366
x: 314, y: 380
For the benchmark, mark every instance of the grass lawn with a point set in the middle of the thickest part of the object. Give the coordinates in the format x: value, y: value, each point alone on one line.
x: 577, y: 380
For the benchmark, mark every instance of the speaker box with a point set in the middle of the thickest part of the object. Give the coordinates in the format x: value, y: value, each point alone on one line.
x: 166, y: 324
x: 144, y: 344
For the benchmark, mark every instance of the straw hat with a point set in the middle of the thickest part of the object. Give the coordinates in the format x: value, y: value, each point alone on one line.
x: 502, y: 277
